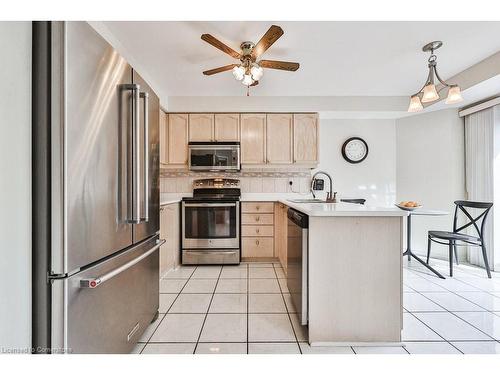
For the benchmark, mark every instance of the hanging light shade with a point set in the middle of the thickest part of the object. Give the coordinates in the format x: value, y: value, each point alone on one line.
x: 247, y: 80
x: 428, y: 91
x: 415, y: 104
x: 454, y: 95
x: 238, y: 72
x: 257, y: 72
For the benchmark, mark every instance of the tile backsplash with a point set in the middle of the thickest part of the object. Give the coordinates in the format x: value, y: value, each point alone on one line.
x: 252, y: 180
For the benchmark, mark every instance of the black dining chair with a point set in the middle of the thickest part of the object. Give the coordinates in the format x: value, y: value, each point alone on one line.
x: 451, y: 238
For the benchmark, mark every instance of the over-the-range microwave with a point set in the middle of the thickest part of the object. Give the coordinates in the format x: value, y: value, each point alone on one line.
x: 214, y: 156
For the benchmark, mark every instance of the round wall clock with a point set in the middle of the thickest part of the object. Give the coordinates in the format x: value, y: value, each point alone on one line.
x: 355, y: 150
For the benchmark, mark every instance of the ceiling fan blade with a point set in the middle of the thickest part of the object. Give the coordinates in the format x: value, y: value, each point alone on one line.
x: 267, y: 40
x: 218, y: 44
x: 220, y: 69
x: 282, y: 65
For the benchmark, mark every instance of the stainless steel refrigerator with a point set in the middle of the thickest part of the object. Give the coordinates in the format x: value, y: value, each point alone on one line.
x: 95, y: 194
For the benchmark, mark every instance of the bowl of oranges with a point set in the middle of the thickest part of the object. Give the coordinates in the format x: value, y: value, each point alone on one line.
x: 408, y: 205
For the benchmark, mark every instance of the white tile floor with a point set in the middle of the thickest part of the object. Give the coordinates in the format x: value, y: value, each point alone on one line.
x: 247, y: 309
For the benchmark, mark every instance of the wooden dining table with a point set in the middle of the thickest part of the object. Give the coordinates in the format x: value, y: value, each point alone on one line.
x: 408, y: 251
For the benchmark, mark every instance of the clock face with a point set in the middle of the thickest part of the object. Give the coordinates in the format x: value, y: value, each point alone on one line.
x: 355, y: 150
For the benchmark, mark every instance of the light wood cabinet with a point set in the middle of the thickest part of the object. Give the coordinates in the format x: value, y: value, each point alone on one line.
x: 266, y: 139
x: 227, y: 127
x: 253, y: 138
x: 163, y: 138
x: 257, y: 247
x: 281, y: 234
x: 177, y: 138
x: 305, y: 138
x: 257, y: 219
x: 169, y: 231
x: 257, y: 207
x: 201, y: 127
x: 279, y: 138
x: 257, y: 230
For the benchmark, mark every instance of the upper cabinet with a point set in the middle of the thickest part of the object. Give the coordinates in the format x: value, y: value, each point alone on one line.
x: 274, y: 139
x: 253, y: 138
x: 227, y: 127
x: 305, y: 138
x: 177, y: 138
x: 163, y: 138
x: 201, y: 127
x: 279, y: 138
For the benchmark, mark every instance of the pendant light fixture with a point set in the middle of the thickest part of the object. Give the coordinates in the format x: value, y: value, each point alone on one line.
x: 428, y: 92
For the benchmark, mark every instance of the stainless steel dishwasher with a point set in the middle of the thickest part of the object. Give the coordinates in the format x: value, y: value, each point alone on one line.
x: 297, y: 259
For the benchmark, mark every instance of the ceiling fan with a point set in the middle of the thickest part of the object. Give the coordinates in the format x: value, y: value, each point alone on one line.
x: 250, y: 70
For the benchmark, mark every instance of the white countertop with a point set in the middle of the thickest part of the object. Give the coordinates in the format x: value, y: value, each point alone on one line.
x: 311, y: 209
x: 343, y: 209
x: 169, y: 198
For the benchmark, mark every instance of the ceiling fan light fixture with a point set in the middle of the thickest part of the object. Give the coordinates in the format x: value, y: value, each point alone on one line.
x: 415, y: 104
x: 257, y: 72
x: 238, y: 72
x: 430, y: 93
x: 247, y: 80
x: 454, y: 95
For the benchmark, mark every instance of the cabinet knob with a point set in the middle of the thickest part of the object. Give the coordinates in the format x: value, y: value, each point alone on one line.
x: 257, y: 230
x: 257, y: 208
x: 257, y: 218
x: 257, y: 242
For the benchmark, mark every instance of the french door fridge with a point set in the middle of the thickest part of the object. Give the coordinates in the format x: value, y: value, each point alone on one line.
x: 95, y: 194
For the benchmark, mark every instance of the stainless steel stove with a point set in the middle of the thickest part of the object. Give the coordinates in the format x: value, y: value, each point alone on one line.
x: 211, y: 222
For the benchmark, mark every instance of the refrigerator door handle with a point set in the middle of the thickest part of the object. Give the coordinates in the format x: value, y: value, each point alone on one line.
x: 94, y: 282
x: 135, y: 88
x: 145, y: 97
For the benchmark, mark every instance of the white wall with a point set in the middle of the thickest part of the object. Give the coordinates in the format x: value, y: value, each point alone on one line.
x: 373, y: 179
x: 15, y: 185
x: 430, y: 170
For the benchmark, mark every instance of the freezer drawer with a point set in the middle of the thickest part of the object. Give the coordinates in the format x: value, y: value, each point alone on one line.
x: 107, y: 307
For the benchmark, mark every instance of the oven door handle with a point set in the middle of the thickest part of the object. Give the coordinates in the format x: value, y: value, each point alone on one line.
x: 210, y: 204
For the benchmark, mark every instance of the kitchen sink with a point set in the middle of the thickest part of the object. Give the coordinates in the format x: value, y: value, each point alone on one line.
x: 307, y: 200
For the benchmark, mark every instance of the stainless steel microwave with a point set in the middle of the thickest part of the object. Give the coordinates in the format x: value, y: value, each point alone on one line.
x: 214, y: 156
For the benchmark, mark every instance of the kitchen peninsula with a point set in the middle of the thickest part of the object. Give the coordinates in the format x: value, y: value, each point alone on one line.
x: 355, y: 273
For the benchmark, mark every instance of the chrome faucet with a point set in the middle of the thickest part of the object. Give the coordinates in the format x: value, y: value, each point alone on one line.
x: 330, y: 197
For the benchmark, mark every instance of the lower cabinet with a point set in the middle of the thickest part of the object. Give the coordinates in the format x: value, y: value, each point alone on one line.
x: 281, y: 233
x: 257, y: 230
x: 169, y: 231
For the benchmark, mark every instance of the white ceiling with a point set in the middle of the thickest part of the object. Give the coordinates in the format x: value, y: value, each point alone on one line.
x: 336, y: 58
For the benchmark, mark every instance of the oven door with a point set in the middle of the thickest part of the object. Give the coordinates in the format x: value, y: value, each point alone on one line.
x: 210, y: 225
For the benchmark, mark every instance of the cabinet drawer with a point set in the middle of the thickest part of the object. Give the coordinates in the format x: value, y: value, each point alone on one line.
x: 257, y: 230
x: 257, y: 219
x: 257, y: 247
x: 257, y: 207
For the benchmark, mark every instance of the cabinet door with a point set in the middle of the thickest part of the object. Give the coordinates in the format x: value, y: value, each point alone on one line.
x: 279, y: 141
x: 227, y: 127
x: 163, y: 137
x: 305, y: 138
x: 280, y: 234
x: 201, y: 127
x: 253, y: 138
x: 177, y: 138
x: 164, y: 258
